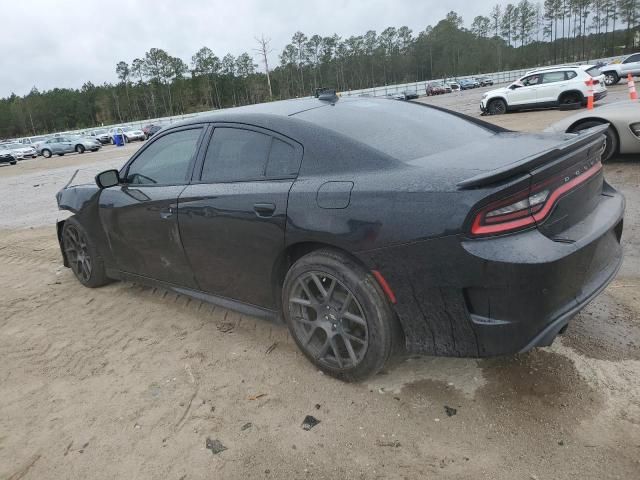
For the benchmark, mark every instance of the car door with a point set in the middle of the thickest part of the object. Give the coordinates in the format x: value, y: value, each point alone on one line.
x: 53, y: 144
x: 527, y: 93
x: 552, y: 85
x: 139, y: 216
x: 233, y: 219
x: 65, y: 145
x: 631, y: 65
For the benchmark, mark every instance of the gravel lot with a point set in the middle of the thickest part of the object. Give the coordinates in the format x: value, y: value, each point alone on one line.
x: 131, y: 382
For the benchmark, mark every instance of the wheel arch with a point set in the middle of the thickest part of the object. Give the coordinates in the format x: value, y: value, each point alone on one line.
x: 581, y: 121
x: 59, y: 228
x: 499, y: 97
x: 569, y: 92
x: 291, y: 254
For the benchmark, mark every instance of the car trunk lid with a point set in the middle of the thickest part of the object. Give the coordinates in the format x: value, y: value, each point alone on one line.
x: 556, y: 189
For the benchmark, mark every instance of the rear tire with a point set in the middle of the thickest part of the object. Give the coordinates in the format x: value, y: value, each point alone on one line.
x: 497, y: 107
x: 338, y: 315
x: 611, y: 78
x: 82, y: 255
x: 80, y: 148
x: 570, y: 98
x: 610, y: 134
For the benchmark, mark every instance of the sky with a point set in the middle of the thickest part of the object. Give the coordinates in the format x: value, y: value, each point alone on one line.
x: 65, y: 43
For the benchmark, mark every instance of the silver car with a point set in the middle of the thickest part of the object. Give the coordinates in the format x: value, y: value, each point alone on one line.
x: 130, y: 134
x: 21, y: 151
x: 68, y: 144
x: 623, y: 134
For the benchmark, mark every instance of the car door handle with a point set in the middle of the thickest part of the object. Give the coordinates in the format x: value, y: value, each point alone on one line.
x: 264, y: 209
x: 166, y: 213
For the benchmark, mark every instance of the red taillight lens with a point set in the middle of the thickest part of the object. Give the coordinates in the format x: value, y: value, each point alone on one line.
x: 527, y: 208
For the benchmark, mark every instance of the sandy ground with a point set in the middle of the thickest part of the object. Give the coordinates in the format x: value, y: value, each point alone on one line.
x: 131, y: 382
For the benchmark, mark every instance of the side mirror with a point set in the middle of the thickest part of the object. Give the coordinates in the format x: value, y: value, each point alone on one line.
x: 108, y: 178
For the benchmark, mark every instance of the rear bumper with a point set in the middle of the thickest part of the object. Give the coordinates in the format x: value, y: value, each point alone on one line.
x: 502, y: 295
x: 599, y: 95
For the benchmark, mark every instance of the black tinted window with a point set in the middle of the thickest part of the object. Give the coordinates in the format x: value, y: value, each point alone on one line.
x: 283, y: 161
x: 633, y: 58
x: 236, y: 155
x: 166, y: 160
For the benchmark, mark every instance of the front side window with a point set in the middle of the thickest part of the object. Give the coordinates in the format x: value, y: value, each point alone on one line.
x: 633, y: 58
x: 237, y: 155
x: 531, y: 80
x: 166, y: 161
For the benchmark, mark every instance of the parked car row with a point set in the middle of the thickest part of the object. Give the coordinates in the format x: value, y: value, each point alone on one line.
x: 62, y: 143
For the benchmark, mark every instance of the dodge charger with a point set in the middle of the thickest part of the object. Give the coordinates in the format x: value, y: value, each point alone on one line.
x: 368, y: 226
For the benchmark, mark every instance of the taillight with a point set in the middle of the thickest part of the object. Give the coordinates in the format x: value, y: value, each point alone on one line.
x: 529, y: 207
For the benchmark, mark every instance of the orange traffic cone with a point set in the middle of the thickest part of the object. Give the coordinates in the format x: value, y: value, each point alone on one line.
x: 590, y: 94
x: 632, y: 88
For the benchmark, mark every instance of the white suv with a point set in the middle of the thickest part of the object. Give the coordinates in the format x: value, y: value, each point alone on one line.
x: 546, y: 87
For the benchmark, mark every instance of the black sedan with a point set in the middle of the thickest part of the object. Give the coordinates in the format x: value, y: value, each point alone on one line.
x: 370, y: 226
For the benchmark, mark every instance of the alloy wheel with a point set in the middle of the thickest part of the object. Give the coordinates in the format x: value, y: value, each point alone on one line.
x: 497, y: 107
x: 329, y: 323
x: 77, y: 250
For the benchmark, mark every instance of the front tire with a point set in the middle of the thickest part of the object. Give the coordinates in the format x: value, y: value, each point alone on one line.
x: 611, y: 137
x: 46, y: 153
x: 497, y: 107
x: 82, y: 255
x: 338, y: 315
x: 611, y: 78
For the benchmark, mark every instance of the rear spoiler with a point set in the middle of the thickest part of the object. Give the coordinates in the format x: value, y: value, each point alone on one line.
x: 525, y: 165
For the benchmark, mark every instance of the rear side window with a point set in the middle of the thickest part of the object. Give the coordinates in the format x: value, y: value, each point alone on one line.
x: 283, y: 161
x: 571, y: 74
x: 235, y: 155
x: 238, y: 155
x: 553, y: 77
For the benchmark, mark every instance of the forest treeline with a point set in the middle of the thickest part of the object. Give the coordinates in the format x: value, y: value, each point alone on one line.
x: 508, y: 37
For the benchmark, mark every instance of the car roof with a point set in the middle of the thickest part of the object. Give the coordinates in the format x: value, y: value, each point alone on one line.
x: 560, y: 67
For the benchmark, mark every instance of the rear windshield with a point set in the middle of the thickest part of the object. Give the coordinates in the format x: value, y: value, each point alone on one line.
x: 594, y: 72
x: 403, y: 130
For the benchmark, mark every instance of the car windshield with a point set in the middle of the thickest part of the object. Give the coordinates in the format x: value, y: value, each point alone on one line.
x: 13, y: 145
x: 99, y: 132
x: 127, y: 129
x: 405, y: 131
